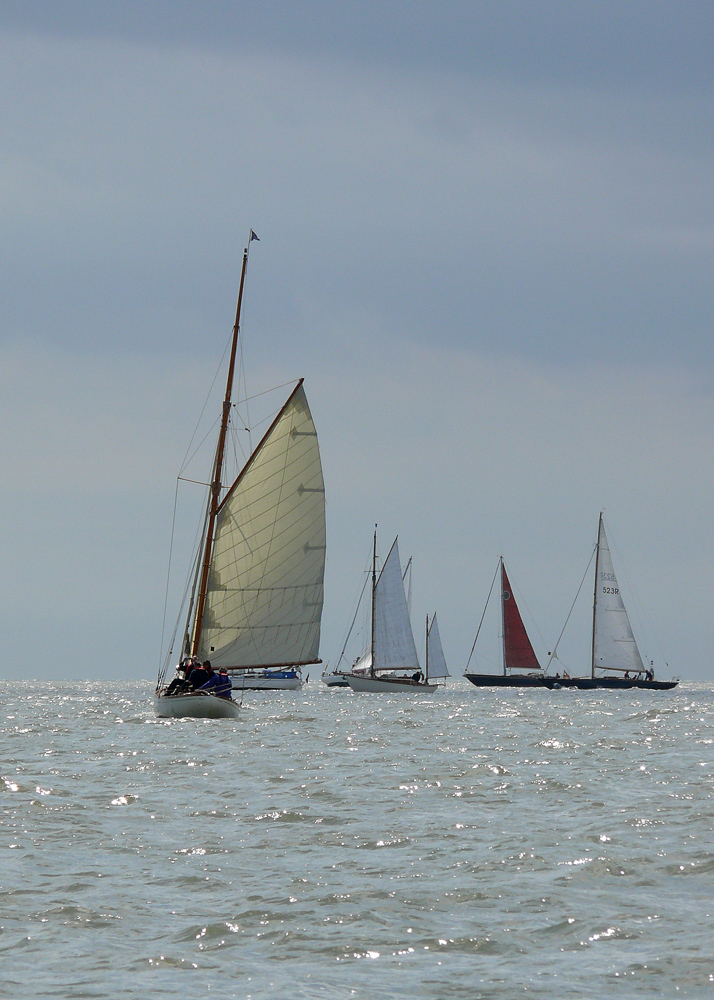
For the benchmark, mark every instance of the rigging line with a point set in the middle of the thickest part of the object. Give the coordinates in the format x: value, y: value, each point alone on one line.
x: 484, y: 614
x: 203, y: 408
x: 554, y: 654
x: 187, y: 461
x: 182, y: 602
x: 354, y: 619
x: 168, y: 574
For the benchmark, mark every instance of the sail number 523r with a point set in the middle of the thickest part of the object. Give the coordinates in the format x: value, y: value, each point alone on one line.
x: 610, y: 590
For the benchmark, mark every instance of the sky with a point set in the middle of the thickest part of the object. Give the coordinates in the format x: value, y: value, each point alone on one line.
x: 486, y: 235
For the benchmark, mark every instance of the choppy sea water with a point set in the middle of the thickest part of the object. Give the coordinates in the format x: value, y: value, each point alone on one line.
x: 473, y: 844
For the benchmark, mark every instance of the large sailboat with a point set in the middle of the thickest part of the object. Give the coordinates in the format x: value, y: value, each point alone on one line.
x: 256, y: 604
x: 520, y: 663
x: 390, y: 663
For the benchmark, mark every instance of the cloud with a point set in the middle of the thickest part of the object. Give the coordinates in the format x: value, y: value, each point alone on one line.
x: 499, y: 294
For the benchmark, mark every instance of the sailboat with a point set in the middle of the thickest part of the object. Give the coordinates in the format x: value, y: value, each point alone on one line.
x: 615, y: 661
x: 390, y: 663
x: 435, y: 661
x: 520, y: 663
x: 256, y: 604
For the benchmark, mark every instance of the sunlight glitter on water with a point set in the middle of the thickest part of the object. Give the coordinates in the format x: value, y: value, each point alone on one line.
x: 486, y: 844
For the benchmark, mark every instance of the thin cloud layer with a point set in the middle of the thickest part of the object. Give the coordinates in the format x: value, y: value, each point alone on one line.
x: 496, y: 282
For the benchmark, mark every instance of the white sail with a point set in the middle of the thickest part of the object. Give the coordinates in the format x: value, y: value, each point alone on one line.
x: 265, y: 587
x: 613, y: 641
x: 435, y: 654
x: 394, y: 646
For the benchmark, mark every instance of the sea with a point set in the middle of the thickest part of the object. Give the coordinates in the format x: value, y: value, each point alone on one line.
x: 477, y: 843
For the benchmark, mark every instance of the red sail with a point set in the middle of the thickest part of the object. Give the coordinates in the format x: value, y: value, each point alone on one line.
x: 517, y: 650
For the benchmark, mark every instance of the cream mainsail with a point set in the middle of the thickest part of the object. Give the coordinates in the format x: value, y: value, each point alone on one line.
x: 614, y: 645
x: 264, y: 593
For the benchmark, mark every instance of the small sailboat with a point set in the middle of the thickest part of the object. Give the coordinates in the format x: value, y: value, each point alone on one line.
x: 520, y: 663
x: 435, y: 661
x: 390, y: 663
x: 256, y: 604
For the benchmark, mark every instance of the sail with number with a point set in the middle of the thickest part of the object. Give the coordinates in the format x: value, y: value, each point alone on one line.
x: 518, y: 653
x: 435, y: 659
x: 264, y: 593
x: 614, y: 645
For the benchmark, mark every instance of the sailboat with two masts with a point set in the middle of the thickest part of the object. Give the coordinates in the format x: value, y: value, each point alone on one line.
x: 520, y: 663
x: 256, y: 604
x: 390, y: 663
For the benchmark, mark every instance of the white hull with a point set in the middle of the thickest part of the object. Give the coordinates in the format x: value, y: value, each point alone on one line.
x: 265, y: 681
x: 335, y: 680
x: 194, y: 706
x: 389, y: 684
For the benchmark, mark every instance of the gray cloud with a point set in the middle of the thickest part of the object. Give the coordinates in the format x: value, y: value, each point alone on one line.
x: 497, y: 284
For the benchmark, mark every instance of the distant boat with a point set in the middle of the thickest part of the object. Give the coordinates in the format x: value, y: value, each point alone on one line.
x: 258, y: 581
x: 390, y: 663
x: 615, y: 658
x: 520, y: 663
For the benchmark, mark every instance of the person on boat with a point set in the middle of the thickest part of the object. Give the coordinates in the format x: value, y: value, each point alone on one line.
x: 180, y: 682
x: 212, y: 678
x: 224, y: 686
x: 627, y: 675
x: 198, y: 676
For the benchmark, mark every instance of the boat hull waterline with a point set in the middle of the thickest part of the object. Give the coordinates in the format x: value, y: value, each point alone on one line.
x: 580, y: 683
x: 334, y: 680
x: 374, y: 685
x: 266, y: 682
x: 194, y: 705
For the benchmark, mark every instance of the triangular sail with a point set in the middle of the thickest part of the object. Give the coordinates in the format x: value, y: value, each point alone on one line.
x: 394, y: 646
x: 518, y: 653
x: 435, y: 654
x: 614, y: 645
x: 265, y: 587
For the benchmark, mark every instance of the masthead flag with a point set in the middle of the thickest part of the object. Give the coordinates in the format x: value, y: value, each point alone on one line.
x: 254, y: 236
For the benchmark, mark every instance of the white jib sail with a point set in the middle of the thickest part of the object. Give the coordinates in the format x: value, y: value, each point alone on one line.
x: 613, y: 641
x: 436, y: 658
x: 394, y: 646
x: 265, y: 588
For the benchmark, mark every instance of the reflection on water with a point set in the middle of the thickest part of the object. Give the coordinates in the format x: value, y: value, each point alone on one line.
x: 476, y: 844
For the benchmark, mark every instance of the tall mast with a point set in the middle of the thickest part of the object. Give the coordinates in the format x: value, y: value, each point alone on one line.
x: 374, y: 593
x: 503, y: 622
x: 215, y: 494
x: 597, y: 569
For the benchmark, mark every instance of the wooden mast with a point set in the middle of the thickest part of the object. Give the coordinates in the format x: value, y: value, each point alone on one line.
x: 215, y: 495
x: 597, y: 568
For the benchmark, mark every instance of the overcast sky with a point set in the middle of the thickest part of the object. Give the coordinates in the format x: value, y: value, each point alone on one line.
x: 486, y: 235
